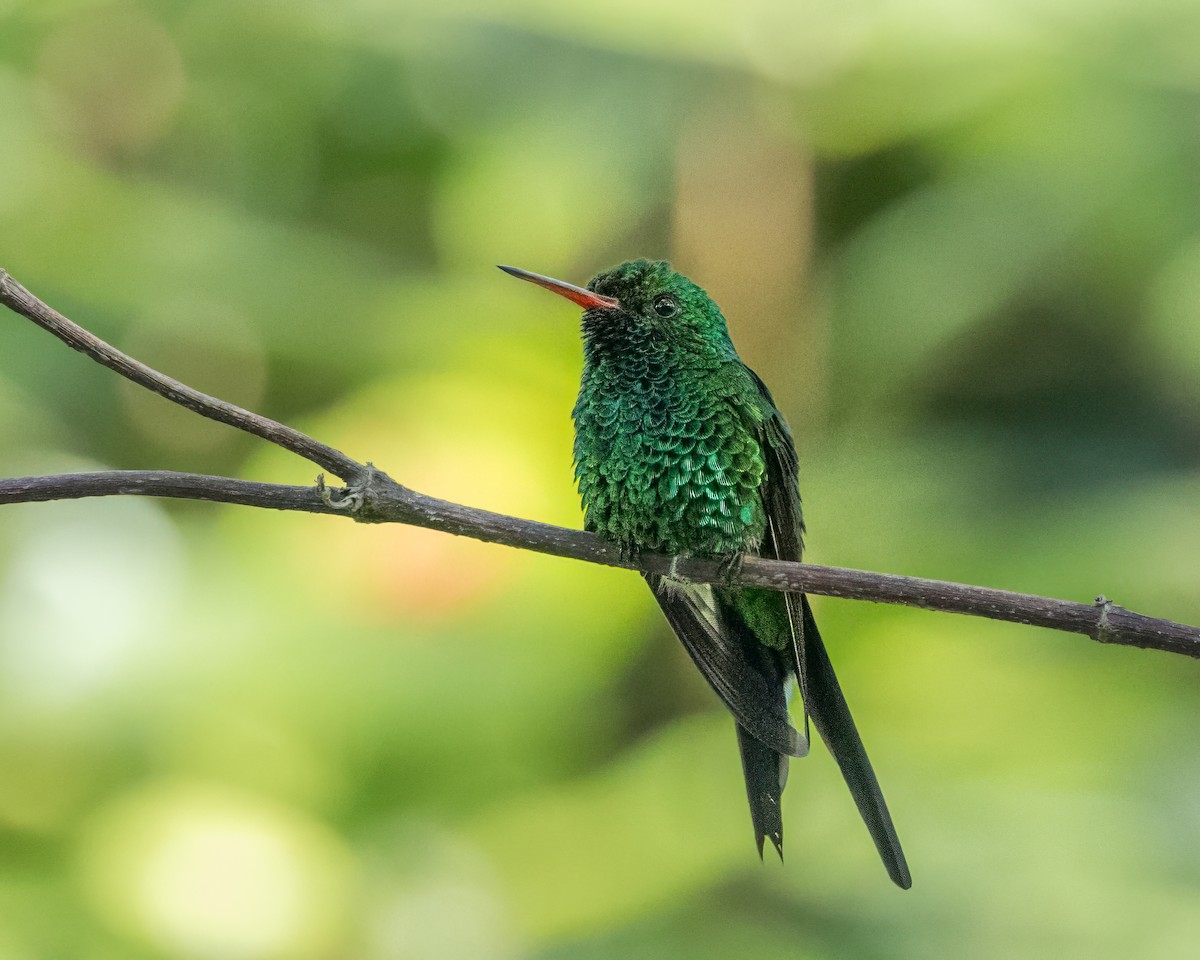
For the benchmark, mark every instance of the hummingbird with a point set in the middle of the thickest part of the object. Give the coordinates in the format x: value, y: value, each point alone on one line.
x: 680, y: 449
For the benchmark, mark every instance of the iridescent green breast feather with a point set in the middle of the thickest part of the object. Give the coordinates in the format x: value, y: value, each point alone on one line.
x: 667, y: 467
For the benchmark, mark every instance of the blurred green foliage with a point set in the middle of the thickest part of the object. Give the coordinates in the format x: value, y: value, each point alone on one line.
x: 961, y: 240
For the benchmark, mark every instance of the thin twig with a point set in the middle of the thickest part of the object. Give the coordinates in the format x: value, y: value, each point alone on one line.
x: 18, y: 299
x: 163, y: 483
x: 379, y: 499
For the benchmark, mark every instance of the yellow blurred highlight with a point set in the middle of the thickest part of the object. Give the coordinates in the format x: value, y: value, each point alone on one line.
x: 203, y: 871
x: 475, y: 437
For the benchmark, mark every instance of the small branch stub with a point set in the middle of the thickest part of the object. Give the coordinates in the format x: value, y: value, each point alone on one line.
x: 337, y: 498
x: 1104, y: 632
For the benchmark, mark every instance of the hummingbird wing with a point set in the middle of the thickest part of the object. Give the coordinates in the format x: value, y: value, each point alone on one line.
x: 822, y: 693
x: 750, y: 683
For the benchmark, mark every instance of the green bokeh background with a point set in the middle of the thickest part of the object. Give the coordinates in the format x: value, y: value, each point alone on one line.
x: 959, y: 238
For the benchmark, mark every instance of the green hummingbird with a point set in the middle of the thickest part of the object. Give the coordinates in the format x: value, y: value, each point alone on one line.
x: 680, y: 449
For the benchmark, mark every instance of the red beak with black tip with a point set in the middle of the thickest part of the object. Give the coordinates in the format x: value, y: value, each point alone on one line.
x: 577, y: 295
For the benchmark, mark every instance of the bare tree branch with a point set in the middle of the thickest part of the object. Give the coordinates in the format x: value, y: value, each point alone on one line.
x: 379, y: 499
x: 163, y: 483
x: 371, y: 496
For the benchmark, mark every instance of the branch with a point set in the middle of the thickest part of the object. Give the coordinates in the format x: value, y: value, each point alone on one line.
x: 379, y: 499
x: 371, y: 496
x: 163, y: 483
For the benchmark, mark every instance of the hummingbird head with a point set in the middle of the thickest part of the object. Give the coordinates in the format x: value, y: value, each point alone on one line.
x: 643, y: 304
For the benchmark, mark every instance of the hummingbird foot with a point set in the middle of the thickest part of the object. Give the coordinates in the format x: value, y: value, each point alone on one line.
x: 628, y: 552
x: 730, y: 568
x: 677, y: 576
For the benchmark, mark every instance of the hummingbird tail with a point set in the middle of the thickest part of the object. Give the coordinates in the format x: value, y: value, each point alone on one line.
x: 831, y: 716
x: 765, y: 772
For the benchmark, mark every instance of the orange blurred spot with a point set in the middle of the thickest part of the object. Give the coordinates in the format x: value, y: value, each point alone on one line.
x: 434, y: 575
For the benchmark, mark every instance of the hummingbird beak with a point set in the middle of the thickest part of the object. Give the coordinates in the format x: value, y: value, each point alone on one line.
x: 585, y: 298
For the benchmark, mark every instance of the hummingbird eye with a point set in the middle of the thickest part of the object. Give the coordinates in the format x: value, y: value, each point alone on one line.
x: 665, y: 306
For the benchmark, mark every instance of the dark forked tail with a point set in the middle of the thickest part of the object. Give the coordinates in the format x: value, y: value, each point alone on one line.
x: 721, y: 629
